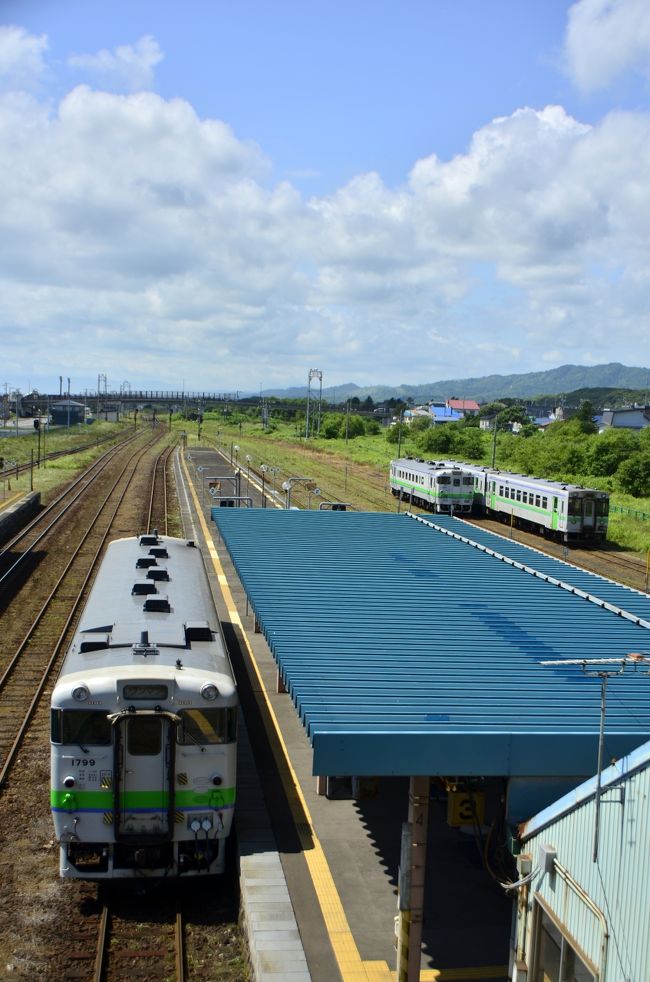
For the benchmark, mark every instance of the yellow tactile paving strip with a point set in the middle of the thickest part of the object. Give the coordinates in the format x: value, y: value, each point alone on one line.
x: 350, y: 963
x: 7, y: 502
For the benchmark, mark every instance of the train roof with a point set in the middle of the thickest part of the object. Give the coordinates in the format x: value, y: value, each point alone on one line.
x: 523, y: 478
x: 419, y: 463
x: 408, y: 650
x: 129, y: 612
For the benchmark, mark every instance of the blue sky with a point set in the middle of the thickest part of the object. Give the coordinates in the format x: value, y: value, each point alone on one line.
x: 388, y: 192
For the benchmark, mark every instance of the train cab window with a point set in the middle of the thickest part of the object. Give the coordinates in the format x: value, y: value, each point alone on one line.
x: 144, y: 736
x: 468, y: 481
x: 81, y: 726
x: 207, y: 726
x: 602, y: 507
x: 444, y: 480
x: 575, y: 505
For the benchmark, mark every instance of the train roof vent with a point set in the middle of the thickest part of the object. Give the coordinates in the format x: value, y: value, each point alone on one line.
x: 144, y: 562
x: 159, y: 552
x: 143, y: 586
x: 159, y: 603
x: 97, y: 644
x: 157, y: 573
x: 197, y: 631
x: 149, y: 540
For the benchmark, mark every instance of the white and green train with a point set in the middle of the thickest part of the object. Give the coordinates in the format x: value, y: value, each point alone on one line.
x: 144, y: 721
x: 566, y: 512
x: 441, y: 487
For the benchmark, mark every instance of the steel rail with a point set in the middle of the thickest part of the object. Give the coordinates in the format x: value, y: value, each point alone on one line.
x: 81, y: 485
x: 11, y: 754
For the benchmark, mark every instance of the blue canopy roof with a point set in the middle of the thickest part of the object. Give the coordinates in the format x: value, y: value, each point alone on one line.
x: 407, y: 650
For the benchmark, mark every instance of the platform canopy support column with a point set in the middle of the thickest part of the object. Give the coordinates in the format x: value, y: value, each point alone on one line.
x: 411, y: 881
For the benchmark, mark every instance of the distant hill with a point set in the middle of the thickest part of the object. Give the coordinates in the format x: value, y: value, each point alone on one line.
x: 552, y: 383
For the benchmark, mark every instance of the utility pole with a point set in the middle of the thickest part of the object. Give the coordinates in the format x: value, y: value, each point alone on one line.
x: 634, y: 658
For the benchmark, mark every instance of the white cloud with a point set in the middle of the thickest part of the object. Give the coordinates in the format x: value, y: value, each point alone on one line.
x: 605, y: 39
x: 139, y: 239
x: 21, y: 58
x: 128, y: 67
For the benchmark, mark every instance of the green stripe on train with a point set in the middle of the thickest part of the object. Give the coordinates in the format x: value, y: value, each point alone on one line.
x: 97, y: 800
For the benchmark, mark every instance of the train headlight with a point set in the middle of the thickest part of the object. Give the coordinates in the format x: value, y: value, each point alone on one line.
x: 80, y: 693
x: 68, y: 782
x: 209, y: 691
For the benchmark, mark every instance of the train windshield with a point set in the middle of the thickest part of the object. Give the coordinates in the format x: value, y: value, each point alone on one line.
x: 602, y: 507
x: 575, y: 505
x: 207, y: 726
x: 81, y: 726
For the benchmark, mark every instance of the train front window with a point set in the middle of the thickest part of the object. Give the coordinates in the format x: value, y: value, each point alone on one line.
x: 207, y: 726
x: 444, y: 480
x: 602, y: 507
x: 144, y: 736
x: 81, y: 726
x: 575, y: 505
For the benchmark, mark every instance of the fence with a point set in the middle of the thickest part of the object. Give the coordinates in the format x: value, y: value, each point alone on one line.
x: 630, y: 512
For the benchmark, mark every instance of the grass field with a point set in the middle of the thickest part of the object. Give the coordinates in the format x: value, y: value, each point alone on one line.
x: 53, y: 473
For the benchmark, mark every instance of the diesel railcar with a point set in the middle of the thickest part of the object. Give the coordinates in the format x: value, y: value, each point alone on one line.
x: 438, y: 487
x: 567, y: 512
x: 144, y: 721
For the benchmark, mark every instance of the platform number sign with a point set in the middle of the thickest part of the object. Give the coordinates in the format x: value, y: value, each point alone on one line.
x: 465, y: 808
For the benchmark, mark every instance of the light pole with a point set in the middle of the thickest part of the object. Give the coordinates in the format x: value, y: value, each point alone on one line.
x: 248, y: 471
x: 289, y: 483
x: 316, y: 493
x: 273, y: 471
x: 263, y: 470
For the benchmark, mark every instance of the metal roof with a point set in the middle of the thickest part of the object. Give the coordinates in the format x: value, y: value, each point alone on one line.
x: 407, y: 650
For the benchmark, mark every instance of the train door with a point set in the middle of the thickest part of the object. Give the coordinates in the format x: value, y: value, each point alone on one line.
x: 588, y: 515
x: 555, y: 517
x: 144, y: 769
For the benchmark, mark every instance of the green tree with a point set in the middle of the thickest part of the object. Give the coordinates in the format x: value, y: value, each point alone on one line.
x: 331, y: 425
x: 439, y: 439
x: 586, y: 417
x: 470, y: 442
x: 608, y: 451
x: 633, y: 475
x: 396, y: 433
x: 420, y: 423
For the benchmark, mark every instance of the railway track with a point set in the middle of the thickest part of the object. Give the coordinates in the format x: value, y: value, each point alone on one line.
x: 26, y: 672
x: 158, y: 511
x: 18, y: 549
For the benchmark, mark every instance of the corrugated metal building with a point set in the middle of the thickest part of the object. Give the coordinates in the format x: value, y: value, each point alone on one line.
x: 583, y: 919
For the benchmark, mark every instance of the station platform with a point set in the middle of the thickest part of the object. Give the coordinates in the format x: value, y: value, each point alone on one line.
x: 319, y: 873
x: 16, y: 509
